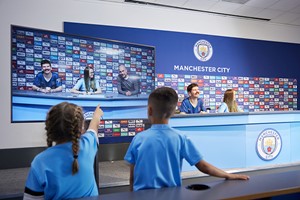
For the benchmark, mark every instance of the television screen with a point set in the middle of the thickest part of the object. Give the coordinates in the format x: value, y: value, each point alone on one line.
x: 124, y: 74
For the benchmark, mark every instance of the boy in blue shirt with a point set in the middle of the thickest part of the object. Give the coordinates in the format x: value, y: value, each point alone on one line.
x: 156, y: 155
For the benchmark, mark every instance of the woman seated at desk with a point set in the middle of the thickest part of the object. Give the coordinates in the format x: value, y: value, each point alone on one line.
x: 229, y: 103
x: 87, y: 85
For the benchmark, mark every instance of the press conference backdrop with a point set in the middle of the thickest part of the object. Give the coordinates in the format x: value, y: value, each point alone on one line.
x: 215, y: 63
x: 263, y: 73
x: 70, y: 54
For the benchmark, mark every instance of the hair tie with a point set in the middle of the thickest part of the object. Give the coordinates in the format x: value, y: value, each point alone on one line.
x: 75, y: 156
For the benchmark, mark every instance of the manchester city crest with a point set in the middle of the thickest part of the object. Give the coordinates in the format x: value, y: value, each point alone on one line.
x: 203, y: 50
x: 268, y: 144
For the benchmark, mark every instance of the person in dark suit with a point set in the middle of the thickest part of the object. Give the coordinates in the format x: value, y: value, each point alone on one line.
x: 127, y: 85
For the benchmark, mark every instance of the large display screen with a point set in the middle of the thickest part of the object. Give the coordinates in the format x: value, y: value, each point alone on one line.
x: 69, y: 56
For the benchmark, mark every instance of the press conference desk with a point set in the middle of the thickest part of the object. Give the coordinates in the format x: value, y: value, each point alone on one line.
x: 227, y: 140
x: 33, y: 106
x: 259, y: 186
x: 233, y: 140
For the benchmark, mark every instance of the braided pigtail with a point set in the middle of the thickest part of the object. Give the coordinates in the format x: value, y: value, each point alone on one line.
x: 64, y: 124
x: 49, y: 142
x: 52, y: 120
x: 76, y: 132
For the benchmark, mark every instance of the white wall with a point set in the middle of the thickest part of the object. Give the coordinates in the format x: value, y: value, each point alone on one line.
x: 50, y: 15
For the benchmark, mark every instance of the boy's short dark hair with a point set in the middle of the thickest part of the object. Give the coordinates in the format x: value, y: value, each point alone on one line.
x: 164, y: 101
x: 190, y: 87
x: 45, y: 62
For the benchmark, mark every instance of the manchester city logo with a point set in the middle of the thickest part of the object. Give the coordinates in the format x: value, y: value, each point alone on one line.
x: 203, y: 50
x: 268, y: 144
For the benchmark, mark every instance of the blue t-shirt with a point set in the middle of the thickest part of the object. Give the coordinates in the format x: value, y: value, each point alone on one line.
x: 51, y: 170
x: 157, y: 154
x: 188, y: 108
x: 41, y: 82
x: 224, y: 108
x: 80, y: 85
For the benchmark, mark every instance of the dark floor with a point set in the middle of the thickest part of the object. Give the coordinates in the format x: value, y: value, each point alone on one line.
x: 114, y: 177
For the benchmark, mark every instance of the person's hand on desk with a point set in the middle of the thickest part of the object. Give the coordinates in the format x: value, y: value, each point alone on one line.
x: 91, y: 93
x: 47, y: 90
x: 41, y: 90
x: 85, y: 93
x: 44, y: 90
x: 209, y: 169
x: 237, y: 177
x: 203, y: 112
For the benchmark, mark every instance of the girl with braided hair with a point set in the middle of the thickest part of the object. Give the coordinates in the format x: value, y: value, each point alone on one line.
x: 65, y: 169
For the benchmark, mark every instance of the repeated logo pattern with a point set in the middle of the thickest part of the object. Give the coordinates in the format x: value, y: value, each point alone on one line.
x: 70, y: 54
x: 116, y: 128
x: 253, y: 93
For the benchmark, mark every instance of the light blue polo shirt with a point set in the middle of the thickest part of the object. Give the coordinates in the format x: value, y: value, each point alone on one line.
x: 51, y: 170
x: 157, y: 154
x: 80, y: 85
x: 224, y: 108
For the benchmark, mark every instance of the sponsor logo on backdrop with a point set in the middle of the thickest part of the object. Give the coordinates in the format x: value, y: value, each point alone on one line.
x: 88, y: 115
x: 203, y: 50
x: 268, y: 145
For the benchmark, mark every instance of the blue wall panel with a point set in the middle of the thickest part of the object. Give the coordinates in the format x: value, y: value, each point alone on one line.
x: 295, y: 142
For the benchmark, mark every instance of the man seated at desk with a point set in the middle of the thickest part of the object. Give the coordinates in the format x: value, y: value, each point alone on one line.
x: 87, y: 85
x: 192, y: 104
x: 47, y: 81
x: 127, y: 85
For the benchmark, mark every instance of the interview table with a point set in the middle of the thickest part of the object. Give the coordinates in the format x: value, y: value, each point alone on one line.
x: 259, y: 186
x: 241, y: 140
x: 33, y: 106
x: 227, y: 140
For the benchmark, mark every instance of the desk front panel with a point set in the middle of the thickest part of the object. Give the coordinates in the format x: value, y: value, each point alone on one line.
x: 230, y: 141
x: 30, y: 106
